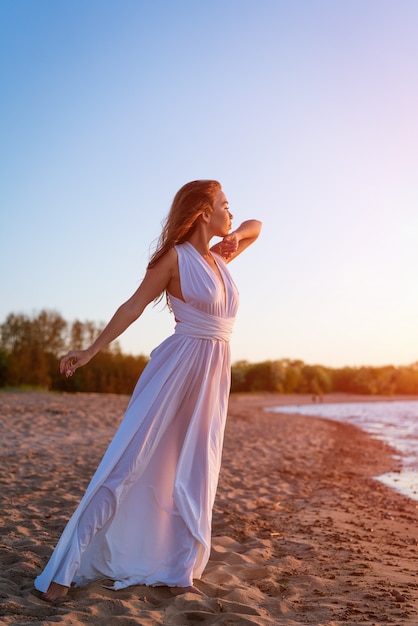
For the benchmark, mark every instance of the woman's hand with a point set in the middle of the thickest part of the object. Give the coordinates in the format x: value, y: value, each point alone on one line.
x: 228, y: 246
x: 73, y: 360
x: 236, y: 242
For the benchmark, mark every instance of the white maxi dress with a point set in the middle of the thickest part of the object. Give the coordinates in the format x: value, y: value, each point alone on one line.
x: 146, y: 515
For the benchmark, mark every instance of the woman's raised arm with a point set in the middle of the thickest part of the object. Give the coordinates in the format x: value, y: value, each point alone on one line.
x: 236, y: 242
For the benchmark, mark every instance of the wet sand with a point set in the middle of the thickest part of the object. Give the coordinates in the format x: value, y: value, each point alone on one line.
x: 302, y: 532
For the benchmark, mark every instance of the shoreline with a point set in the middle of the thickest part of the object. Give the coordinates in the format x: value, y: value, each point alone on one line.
x: 303, y: 534
x: 404, y: 479
x: 267, y: 399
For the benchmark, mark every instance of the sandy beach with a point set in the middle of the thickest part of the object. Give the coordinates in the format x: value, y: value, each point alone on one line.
x: 302, y: 531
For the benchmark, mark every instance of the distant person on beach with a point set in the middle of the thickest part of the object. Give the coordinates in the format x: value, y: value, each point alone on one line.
x: 146, y: 515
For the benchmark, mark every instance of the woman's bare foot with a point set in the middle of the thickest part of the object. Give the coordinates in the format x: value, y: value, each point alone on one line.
x: 178, y: 591
x: 55, y: 592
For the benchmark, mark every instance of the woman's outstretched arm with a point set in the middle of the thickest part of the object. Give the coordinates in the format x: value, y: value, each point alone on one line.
x: 154, y: 283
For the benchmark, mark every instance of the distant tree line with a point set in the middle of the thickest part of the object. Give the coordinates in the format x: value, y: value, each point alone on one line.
x: 31, y: 347
x: 294, y: 376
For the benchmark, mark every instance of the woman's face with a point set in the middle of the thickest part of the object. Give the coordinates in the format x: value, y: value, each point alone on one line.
x: 221, y: 217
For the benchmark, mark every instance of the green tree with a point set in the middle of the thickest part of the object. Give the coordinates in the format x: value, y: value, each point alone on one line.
x: 265, y: 376
x: 30, y: 345
x: 315, y: 379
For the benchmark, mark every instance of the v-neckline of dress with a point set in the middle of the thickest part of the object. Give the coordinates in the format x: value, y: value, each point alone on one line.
x: 218, y: 275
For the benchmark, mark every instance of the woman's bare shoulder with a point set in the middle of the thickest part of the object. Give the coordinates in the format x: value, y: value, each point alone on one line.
x: 167, y: 262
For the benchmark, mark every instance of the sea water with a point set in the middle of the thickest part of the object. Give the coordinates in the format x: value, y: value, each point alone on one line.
x: 395, y: 422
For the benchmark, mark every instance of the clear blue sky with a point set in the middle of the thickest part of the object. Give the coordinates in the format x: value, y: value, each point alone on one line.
x: 305, y: 110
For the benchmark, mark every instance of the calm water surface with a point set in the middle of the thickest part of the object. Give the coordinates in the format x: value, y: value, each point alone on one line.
x: 394, y: 422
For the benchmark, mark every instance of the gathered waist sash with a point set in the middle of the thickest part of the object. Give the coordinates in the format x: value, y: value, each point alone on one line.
x: 198, y: 324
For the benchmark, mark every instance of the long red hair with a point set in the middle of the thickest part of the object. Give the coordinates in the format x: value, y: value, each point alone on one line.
x: 190, y: 202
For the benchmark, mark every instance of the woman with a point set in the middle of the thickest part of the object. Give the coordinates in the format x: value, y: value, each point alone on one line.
x: 146, y: 515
